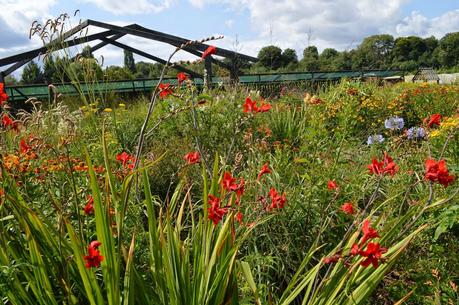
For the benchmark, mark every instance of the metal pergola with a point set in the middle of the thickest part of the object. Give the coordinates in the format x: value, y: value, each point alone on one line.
x: 112, y: 33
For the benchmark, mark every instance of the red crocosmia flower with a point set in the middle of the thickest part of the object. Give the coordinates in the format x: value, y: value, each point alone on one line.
x: 332, y: 185
x: 332, y: 259
x: 373, y: 254
x: 229, y: 182
x: 239, y: 217
x: 3, y: 95
x: 24, y: 148
x: 239, y: 189
x: 192, y: 157
x: 368, y: 232
x: 348, y: 208
x: 93, y: 258
x: 181, y: 77
x: 355, y: 250
x: 7, y: 121
x: 216, y: 212
x: 434, y: 120
x: 277, y: 201
x: 89, y: 207
x: 250, y: 106
x: 126, y: 160
x: 165, y: 90
x: 386, y: 166
x: 209, y: 51
x: 438, y: 171
x: 264, y: 107
x: 264, y: 170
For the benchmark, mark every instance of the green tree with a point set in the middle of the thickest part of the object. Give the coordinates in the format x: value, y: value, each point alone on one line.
x: 117, y: 73
x: 129, y: 62
x: 375, y: 52
x: 32, y: 74
x: 327, y: 58
x: 310, y: 60
x: 86, y: 52
x: 448, y: 50
x: 270, y: 57
x: 289, y: 57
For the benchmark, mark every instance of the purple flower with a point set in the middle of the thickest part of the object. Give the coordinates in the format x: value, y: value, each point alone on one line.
x: 394, y: 123
x: 376, y: 138
x: 416, y: 133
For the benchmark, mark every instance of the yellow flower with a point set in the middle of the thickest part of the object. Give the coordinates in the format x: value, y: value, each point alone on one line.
x: 82, y: 107
x: 122, y: 105
x: 108, y: 110
x: 435, y: 133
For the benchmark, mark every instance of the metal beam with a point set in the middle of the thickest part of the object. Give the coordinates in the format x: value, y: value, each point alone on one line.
x: 170, y: 39
x: 198, y: 45
x: 65, y: 44
x: 149, y: 56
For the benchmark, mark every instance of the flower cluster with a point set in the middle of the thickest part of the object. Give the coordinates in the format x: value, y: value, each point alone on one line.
x: 3, y: 95
x: 372, y: 254
x: 277, y: 201
x: 93, y: 258
x: 127, y: 160
x: 394, y: 123
x: 181, y: 77
x: 251, y: 106
x: 386, y: 166
x: 165, y: 90
x: 433, y: 121
x: 377, y: 138
x: 192, y: 157
x: 8, y: 123
x: 216, y: 212
x: 416, y: 133
x: 89, y: 207
x: 438, y: 172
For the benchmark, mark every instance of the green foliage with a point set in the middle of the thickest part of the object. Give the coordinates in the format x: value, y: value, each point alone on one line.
x: 129, y: 62
x: 270, y: 57
x: 32, y: 74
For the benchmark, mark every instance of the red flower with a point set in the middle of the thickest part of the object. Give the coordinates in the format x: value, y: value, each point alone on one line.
x: 249, y: 105
x: 332, y: 259
x: 437, y: 171
x: 355, y: 250
x: 386, y: 166
x: 229, y: 182
x: 348, y: 208
x: 126, y: 160
x: 239, y: 189
x: 434, y: 120
x: 216, y: 212
x: 164, y: 90
x: 93, y: 258
x: 277, y: 201
x: 181, y: 77
x: 209, y: 51
x: 264, y: 170
x: 368, y: 232
x: 332, y: 185
x: 7, y: 121
x: 89, y: 207
x: 24, y: 148
x: 239, y: 217
x: 192, y: 157
x: 3, y: 95
x: 373, y: 254
x: 264, y: 107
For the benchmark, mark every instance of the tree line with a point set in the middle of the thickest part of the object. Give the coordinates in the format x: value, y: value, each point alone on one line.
x: 375, y: 52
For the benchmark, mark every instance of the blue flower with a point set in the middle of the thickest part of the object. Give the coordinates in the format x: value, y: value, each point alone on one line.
x: 416, y: 133
x: 394, y: 123
x: 375, y: 138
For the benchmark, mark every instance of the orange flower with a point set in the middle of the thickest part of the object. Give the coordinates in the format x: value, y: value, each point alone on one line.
x: 209, y: 51
x: 348, y: 208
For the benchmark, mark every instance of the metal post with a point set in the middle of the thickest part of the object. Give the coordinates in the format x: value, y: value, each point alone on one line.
x: 208, y: 67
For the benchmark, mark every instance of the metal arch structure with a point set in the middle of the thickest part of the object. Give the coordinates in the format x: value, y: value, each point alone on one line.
x: 112, y: 33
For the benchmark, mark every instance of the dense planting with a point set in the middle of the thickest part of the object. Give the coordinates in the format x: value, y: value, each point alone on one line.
x: 345, y: 197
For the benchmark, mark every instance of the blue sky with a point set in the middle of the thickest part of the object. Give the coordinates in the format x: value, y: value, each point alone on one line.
x: 247, y: 25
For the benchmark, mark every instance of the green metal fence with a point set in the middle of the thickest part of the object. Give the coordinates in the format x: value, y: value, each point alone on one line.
x: 41, y: 91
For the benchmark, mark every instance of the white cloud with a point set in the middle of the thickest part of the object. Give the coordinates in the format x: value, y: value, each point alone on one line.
x: 340, y: 24
x: 419, y: 25
x: 132, y: 7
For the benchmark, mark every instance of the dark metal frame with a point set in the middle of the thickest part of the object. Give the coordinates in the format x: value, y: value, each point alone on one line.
x: 113, y: 33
